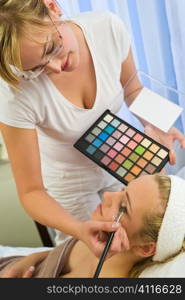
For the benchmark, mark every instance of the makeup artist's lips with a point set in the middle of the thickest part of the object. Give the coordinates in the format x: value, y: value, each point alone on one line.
x: 66, y: 64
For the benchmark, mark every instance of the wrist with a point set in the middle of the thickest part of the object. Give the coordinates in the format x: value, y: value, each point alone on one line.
x: 78, y: 229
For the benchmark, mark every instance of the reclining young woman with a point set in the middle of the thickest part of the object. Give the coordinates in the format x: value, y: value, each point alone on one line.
x: 153, y: 205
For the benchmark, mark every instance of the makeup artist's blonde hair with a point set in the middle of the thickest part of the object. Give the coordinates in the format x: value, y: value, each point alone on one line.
x: 15, y: 17
x: 152, y: 224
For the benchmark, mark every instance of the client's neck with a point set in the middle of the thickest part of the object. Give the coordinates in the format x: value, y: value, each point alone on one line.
x: 118, y: 265
x: 83, y: 263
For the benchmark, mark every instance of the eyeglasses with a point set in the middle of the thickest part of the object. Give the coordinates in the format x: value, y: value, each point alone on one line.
x: 31, y: 74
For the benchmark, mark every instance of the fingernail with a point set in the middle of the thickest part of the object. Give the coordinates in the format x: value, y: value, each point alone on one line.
x: 115, y: 225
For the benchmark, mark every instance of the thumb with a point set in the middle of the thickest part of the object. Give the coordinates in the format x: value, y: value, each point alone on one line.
x: 106, y: 226
x: 29, y: 272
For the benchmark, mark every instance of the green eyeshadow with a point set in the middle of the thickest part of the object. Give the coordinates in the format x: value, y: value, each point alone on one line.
x: 127, y: 164
x: 140, y: 150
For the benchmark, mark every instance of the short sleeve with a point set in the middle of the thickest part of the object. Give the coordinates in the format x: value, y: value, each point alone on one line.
x: 121, y: 36
x: 15, y: 109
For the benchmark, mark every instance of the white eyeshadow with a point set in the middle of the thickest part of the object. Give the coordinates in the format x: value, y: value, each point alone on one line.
x: 108, y: 118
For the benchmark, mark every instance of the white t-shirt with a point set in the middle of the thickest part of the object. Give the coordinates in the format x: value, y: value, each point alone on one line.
x: 59, y: 123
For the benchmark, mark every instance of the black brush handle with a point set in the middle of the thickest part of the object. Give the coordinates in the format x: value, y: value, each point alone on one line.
x: 104, y: 253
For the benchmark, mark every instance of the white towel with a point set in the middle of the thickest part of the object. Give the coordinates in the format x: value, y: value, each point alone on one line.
x: 172, y: 231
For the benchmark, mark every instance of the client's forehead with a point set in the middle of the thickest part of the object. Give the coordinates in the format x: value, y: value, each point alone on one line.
x: 144, y: 193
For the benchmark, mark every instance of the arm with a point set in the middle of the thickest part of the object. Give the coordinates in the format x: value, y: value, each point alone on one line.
x: 133, y: 86
x: 25, y: 266
x: 23, y: 152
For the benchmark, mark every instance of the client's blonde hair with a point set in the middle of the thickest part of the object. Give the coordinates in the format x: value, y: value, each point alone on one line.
x: 152, y: 224
x: 15, y: 16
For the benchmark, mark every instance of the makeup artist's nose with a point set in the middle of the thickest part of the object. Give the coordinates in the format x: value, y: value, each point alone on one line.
x: 55, y: 65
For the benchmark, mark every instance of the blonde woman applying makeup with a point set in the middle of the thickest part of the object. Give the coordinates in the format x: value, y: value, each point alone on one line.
x: 56, y: 78
x: 152, y: 227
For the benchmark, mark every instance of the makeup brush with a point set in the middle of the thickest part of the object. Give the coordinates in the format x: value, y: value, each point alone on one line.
x: 108, y: 244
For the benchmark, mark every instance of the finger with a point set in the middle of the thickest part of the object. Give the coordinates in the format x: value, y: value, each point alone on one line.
x: 9, y: 274
x: 172, y: 157
x: 29, y: 272
x: 182, y: 145
x: 105, y: 226
x: 177, y: 135
x: 120, y: 241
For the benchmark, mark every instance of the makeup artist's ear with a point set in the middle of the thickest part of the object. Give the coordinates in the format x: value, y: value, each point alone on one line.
x: 145, y: 250
x: 53, y: 7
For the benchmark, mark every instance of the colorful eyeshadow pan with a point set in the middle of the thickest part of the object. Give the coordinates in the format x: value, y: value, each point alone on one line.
x: 113, y: 166
x: 124, y: 139
x: 104, y: 148
x: 123, y: 127
x: 138, y: 138
x: 111, y: 141
x: 154, y: 148
x: 118, y: 146
x: 103, y: 136
x: 97, y: 143
x: 130, y: 132
x: 119, y: 158
x: 96, y: 131
x: 121, y: 149
x: 90, y: 138
x: 117, y: 134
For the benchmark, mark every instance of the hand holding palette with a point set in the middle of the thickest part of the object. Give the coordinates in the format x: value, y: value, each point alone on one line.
x: 121, y: 149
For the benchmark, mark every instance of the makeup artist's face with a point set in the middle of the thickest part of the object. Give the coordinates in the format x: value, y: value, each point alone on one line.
x: 140, y: 197
x: 33, y: 45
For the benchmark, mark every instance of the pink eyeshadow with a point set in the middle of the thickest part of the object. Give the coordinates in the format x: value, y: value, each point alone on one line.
x: 110, y: 141
x: 112, y: 153
x: 130, y: 132
x: 106, y: 160
x: 138, y: 138
x: 118, y: 146
x: 132, y: 145
x: 122, y: 127
x: 124, y: 139
x: 116, y: 134
x: 104, y: 148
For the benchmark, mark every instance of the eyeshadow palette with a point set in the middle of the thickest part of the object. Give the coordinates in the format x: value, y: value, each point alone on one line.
x: 122, y: 150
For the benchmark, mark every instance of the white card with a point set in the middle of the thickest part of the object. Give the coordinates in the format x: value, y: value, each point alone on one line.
x: 155, y: 109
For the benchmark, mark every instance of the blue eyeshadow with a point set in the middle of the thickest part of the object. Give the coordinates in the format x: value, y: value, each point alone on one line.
x: 103, y: 136
x: 109, y: 129
x: 91, y: 149
x: 97, y: 143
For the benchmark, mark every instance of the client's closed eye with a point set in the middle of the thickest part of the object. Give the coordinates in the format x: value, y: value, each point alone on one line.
x: 123, y: 208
